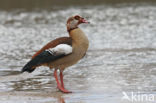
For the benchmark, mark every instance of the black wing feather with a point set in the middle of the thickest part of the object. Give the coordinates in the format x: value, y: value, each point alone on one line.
x: 44, y: 57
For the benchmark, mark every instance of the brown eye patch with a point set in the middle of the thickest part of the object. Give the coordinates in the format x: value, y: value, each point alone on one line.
x: 77, y: 17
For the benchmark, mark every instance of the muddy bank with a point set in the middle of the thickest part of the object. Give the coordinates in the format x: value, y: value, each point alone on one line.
x: 54, y: 4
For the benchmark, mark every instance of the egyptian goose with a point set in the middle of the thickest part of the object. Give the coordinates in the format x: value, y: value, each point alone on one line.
x: 62, y: 52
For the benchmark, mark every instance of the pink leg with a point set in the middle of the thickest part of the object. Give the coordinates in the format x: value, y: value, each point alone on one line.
x: 61, y: 78
x: 58, y: 83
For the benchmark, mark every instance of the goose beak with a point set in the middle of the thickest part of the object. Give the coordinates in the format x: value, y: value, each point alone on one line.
x: 84, y: 21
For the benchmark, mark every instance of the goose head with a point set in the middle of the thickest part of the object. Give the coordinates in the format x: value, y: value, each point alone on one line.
x: 74, y: 21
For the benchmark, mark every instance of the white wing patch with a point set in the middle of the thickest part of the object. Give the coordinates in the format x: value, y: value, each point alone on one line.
x: 61, y: 49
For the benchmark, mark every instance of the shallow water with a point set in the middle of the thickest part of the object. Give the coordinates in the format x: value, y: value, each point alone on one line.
x: 121, y: 56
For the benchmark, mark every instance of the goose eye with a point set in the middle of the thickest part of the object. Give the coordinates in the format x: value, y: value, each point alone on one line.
x: 77, y: 17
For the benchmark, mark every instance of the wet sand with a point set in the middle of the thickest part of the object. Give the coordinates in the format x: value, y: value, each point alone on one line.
x: 58, y: 97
